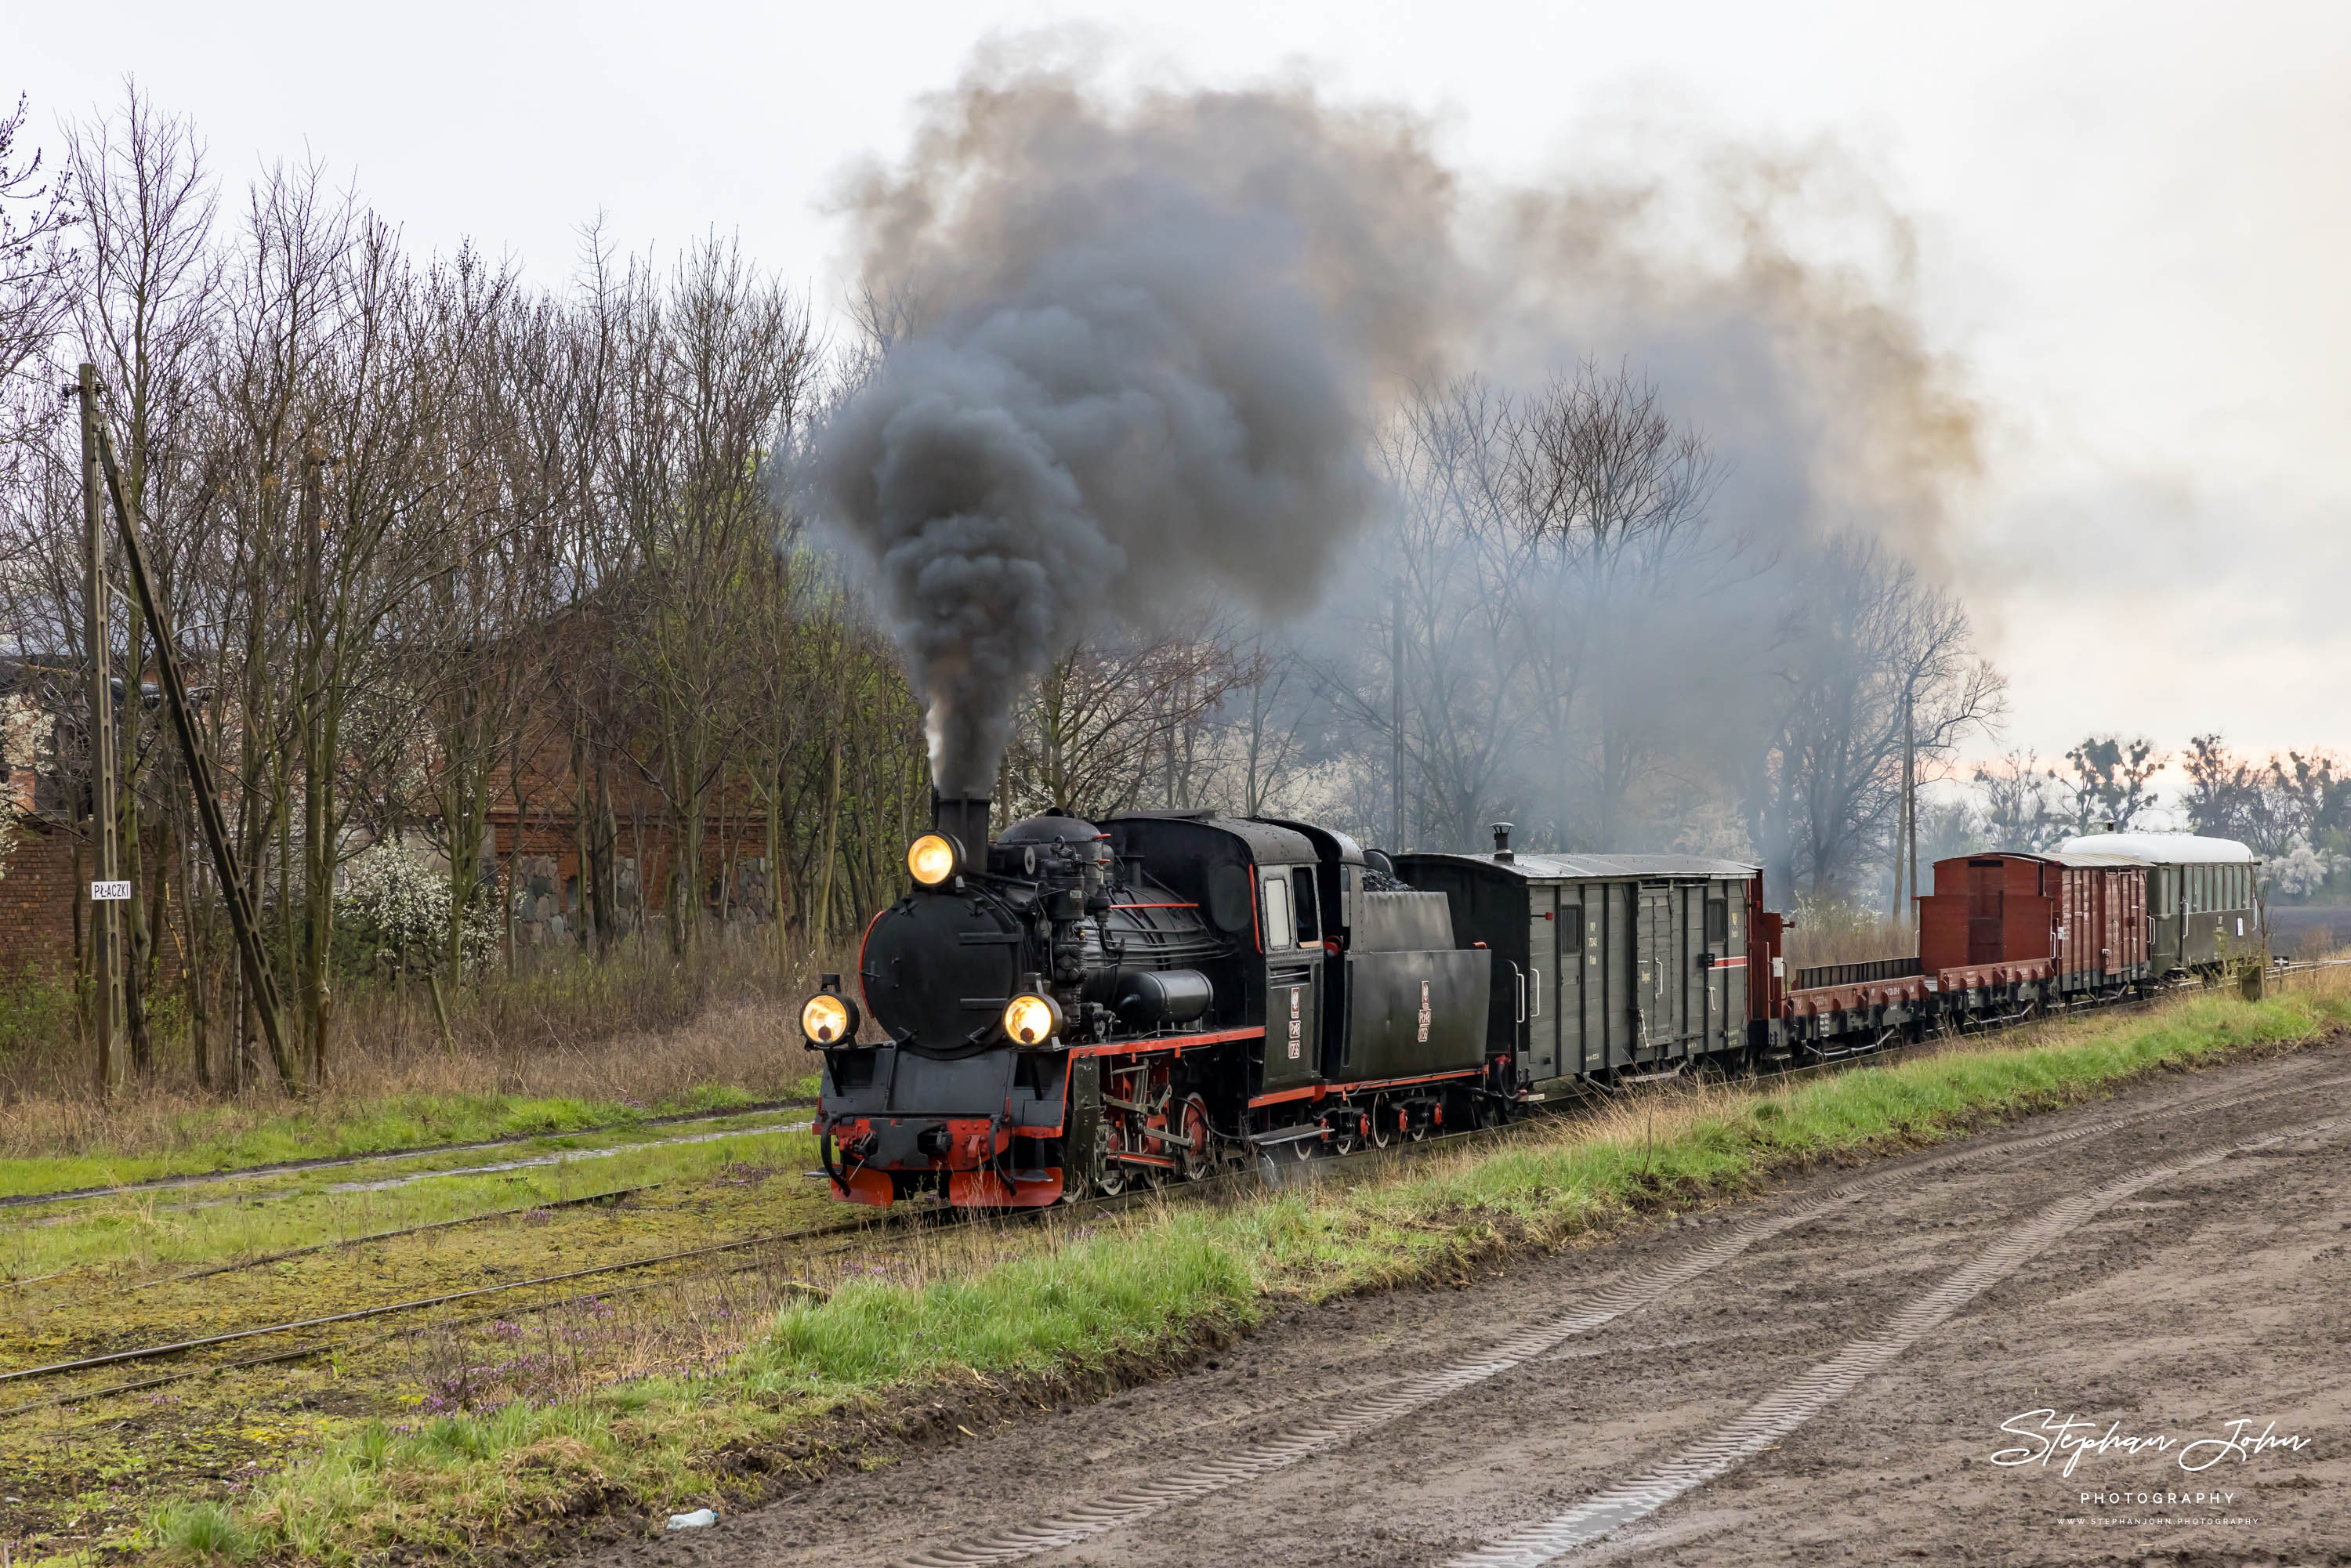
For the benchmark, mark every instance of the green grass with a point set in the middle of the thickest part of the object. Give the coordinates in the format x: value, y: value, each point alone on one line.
x: 205, y: 1531
x: 344, y: 1128
x: 1151, y: 1283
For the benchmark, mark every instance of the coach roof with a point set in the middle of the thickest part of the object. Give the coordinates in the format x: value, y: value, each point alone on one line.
x: 1562, y: 868
x: 2160, y: 849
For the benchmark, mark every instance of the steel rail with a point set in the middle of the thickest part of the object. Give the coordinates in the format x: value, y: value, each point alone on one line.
x: 148, y: 1353
x: 611, y: 1196
x: 333, y: 1162
x: 324, y: 1347
x: 255, y: 1262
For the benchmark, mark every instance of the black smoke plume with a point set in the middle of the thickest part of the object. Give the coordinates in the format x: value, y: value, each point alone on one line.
x: 1149, y: 340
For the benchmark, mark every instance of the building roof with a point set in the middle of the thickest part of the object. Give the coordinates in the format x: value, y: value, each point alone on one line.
x: 2161, y: 849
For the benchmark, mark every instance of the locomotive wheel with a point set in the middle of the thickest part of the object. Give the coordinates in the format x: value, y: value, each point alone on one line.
x: 1109, y: 1177
x: 1383, y: 1129
x: 1198, y: 1157
x: 1304, y: 1149
x: 1415, y: 1128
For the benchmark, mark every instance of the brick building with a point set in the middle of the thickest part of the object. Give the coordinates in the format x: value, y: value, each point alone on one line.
x: 532, y: 832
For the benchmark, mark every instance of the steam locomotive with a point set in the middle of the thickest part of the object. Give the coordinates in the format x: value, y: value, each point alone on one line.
x: 1076, y: 1007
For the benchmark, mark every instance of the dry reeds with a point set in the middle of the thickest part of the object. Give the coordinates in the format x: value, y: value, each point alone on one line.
x: 633, y: 1029
x: 1832, y: 933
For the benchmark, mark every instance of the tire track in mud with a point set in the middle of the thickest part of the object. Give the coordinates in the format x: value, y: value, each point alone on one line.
x: 1780, y: 1413
x: 1297, y: 1443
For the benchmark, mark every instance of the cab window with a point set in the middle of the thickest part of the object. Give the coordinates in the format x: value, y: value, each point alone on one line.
x: 1279, y: 930
x: 1301, y: 900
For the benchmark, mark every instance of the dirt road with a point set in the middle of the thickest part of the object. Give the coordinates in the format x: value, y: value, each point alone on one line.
x: 1892, y: 1364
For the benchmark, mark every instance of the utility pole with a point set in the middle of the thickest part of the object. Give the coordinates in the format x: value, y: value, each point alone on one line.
x: 1906, y: 836
x: 1396, y: 718
x: 315, y: 999
x: 261, y: 987
x: 106, y: 969
x: 1910, y: 749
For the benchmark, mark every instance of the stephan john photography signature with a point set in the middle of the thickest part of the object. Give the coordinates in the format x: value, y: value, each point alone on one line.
x: 2048, y: 1439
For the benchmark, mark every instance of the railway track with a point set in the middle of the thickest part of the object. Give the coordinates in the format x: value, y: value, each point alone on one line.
x: 869, y: 1224
x: 335, y: 1162
x: 876, y: 1224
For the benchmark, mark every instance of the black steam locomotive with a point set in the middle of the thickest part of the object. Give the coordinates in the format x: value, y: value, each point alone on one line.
x: 1077, y: 1007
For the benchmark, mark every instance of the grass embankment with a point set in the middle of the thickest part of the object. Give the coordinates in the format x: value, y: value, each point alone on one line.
x: 1148, y: 1285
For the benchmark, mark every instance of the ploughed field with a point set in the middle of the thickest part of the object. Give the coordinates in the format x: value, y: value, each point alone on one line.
x: 89, y: 1451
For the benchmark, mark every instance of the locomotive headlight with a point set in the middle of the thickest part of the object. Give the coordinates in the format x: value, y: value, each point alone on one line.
x: 1033, y: 1019
x: 932, y: 859
x: 828, y: 1019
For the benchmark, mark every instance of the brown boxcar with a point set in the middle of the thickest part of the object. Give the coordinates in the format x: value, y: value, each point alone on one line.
x: 2083, y: 913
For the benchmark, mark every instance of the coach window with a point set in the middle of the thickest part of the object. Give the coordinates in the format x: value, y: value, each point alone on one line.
x: 1280, y: 931
x: 1301, y: 897
x: 1718, y: 923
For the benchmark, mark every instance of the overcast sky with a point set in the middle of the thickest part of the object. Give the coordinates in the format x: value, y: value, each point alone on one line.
x: 2135, y: 221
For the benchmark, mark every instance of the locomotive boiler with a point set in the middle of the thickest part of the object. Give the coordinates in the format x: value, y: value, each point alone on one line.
x: 1076, y: 1006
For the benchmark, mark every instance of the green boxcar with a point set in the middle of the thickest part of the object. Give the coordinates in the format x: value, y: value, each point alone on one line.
x: 1605, y: 966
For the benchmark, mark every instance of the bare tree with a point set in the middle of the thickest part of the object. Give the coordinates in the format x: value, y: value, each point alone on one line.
x: 1823, y: 795
x: 35, y: 216
x: 709, y: 366
x: 143, y: 318
x: 2110, y: 780
x: 1607, y: 496
x: 1103, y: 721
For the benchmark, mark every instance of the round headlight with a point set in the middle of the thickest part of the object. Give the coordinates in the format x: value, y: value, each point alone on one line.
x: 825, y: 1019
x: 932, y: 859
x: 1033, y: 1019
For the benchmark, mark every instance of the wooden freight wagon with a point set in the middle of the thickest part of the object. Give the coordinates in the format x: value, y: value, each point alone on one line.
x: 2085, y: 915
x: 1608, y: 966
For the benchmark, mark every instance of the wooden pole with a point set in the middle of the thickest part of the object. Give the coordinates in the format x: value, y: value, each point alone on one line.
x: 106, y: 969
x: 1396, y: 721
x: 312, y: 1007
x: 260, y: 986
x: 1909, y: 905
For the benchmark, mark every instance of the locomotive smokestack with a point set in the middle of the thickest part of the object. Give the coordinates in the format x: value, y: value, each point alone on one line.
x: 1502, y: 841
x: 962, y: 818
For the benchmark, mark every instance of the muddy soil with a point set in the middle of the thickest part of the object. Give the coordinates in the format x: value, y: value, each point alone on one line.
x: 2212, y: 1295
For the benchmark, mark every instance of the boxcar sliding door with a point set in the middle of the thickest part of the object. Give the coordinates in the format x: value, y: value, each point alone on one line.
x: 1541, y: 998
x: 1658, y: 986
